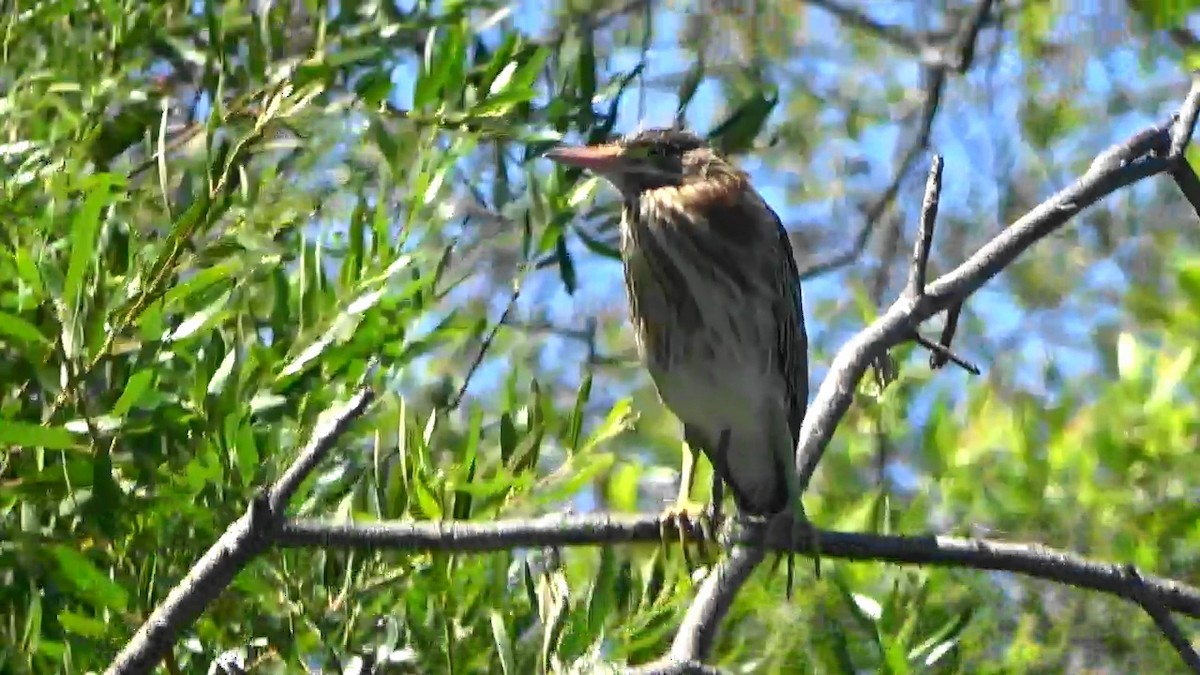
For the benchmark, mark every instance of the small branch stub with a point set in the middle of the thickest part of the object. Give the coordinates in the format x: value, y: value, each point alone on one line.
x: 918, y: 272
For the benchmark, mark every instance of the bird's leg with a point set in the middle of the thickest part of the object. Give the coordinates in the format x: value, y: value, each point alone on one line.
x: 677, y: 515
x: 800, y: 525
x: 720, y: 469
x: 707, y: 516
x: 714, y: 505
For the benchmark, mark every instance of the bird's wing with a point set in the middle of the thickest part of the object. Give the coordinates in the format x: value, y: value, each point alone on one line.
x: 792, y: 339
x: 728, y: 215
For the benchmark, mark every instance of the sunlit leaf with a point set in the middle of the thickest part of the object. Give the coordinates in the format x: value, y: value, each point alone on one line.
x: 21, y: 434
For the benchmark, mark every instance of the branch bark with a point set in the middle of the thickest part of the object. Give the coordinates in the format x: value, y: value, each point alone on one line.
x: 1032, y: 560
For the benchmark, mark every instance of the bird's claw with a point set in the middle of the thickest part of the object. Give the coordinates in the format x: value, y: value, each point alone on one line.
x: 799, y: 529
x: 679, y: 517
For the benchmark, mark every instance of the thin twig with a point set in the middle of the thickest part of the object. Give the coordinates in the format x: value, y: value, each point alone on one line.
x: 897, y: 37
x: 1189, y: 184
x: 329, y: 427
x: 937, y: 359
x: 1183, y: 173
x: 964, y: 43
x: 919, y: 267
x: 875, y: 211
x: 942, y: 353
x: 487, y: 345
x: 937, y: 64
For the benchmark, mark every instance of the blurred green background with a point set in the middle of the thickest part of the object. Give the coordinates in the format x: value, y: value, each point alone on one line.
x: 213, y: 214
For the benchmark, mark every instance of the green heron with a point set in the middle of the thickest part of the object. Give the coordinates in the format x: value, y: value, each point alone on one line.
x: 715, y: 304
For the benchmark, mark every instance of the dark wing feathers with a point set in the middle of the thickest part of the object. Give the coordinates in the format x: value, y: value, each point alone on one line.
x: 793, y: 339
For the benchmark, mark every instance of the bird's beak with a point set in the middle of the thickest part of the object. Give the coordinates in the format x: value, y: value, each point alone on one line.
x: 601, y: 159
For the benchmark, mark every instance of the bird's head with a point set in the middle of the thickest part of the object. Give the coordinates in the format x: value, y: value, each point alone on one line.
x: 648, y: 160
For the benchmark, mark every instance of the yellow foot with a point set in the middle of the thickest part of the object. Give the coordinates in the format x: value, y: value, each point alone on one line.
x: 680, y: 517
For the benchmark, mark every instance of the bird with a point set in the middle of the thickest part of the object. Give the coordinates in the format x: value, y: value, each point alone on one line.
x: 716, y: 309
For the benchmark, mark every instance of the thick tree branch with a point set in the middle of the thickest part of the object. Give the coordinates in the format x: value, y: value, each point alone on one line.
x: 1033, y: 560
x: 1163, y: 619
x: 1185, y: 177
x: 242, y: 541
x: 698, y: 630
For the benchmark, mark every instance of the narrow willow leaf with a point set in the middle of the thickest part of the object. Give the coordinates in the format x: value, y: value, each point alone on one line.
x: 22, y: 434
x: 21, y: 330
x: 503, y: 643
x: 90, y: 584
x: 135, y: 388
x: 620, y: 419
x: 200, y: 320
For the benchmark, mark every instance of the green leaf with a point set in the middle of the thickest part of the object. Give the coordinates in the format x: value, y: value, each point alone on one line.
x: 342, y: 328
x: 893, y: 655
x: 201, y: 280
x: 602, y: 603
x: 431, y: 507
x: 137, y: 385
x: 463, y: 499
x: 503, y: 642
x: 21, y: 330
x: 575, y: 424
x: 200, y: 320
x: 1188, y: 278
x: 216, y: 384
x: 21, y: 434
x: 620, y: 419
x: 503, y: 79
x: 566, y: 266
x: 84, y: 228
x: 500, y: 104
x: 508, y: 437
x: 443, y: 66
x: 585, y: 69
x: 690, y: 85
x: 90, y: 584
x: 78, y: 624
x: 528, y: 72
x: 1129, y: 356
x: 1162, y: 14
x: 596, y: 246
x: 623, y: 487
x: 28, y: 270
x: 246, y: 451
x: 737, y: 133
x: 934, y: 647
x: 32, y: 633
